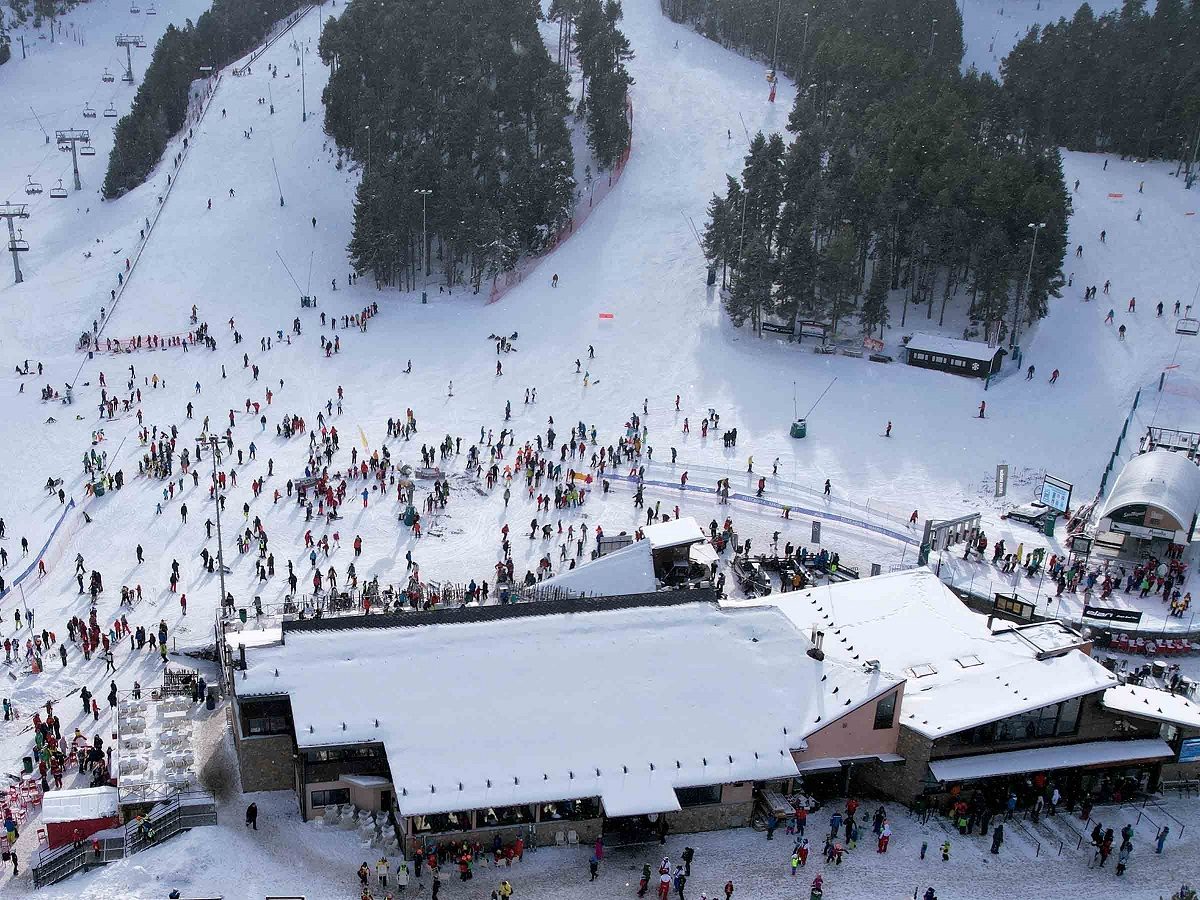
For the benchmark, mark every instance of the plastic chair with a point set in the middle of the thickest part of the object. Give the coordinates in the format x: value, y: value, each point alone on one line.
x: 559, y: 838
x: 572, y: 837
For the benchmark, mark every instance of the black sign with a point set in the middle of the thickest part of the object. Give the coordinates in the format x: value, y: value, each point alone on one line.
x: 816, y: 532
x: 1107, y: 614
x: 1012, y: 605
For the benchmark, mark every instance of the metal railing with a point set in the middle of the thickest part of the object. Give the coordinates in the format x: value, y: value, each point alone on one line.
x: 182, y: 812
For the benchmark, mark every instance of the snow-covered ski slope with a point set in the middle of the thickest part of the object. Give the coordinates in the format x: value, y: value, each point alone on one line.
x: 635, y: 258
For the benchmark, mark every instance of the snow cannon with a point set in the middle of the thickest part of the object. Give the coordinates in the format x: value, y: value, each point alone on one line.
x: 799, y: 428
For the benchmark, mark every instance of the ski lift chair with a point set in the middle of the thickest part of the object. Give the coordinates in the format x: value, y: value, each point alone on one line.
x: 19, y: 244
x: 135, y: 9
x: 58, y: 192
x: 108, y: 77
x: 32, y: 187
x: 88, y: 112
x: 142, y: 44
x: 151, y: 11
x: 111, y: 112
x: 87, y: 150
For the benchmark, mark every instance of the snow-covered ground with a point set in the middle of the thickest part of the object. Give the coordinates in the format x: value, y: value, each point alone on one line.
x: 286, y: 857
x: 636, y: 258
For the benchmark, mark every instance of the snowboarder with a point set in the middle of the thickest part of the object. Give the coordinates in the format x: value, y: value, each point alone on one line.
x: 982, y: 409
x: 554, y: 280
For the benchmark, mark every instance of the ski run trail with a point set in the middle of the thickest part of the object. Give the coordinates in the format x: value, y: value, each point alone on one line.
x: 630, y: 285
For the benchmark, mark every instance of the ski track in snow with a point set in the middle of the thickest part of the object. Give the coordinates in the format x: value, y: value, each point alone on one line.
x: 635, y: 257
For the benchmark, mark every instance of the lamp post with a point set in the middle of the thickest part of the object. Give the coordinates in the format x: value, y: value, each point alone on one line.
x: 303, y: 101
x: 424, y: 192
x: 214, y: 444
x: 932, y: 36
x: 368, y: 128
x: 1038, y: 226
x: 775, y: 46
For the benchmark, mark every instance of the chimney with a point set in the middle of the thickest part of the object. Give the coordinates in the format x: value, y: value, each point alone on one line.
x: 242, y: 657
x: 818, y: 638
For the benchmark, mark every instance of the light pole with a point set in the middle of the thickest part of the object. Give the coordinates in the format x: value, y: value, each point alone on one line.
x: 775, y: 46
x: 214, y: 444
x: 424, y: 192
x: 932, y: 37
x: 1038, y: 226
x: 368, y: 127
x: 303, y: 102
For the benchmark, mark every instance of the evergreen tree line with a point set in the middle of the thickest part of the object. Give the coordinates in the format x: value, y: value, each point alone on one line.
x: 22, y: 11
x: 832, y: 39
x: 457, y: 114
x: 590, y: 27
x: 1127, y: 82
x: 901, y: 174
x: 222, y: 34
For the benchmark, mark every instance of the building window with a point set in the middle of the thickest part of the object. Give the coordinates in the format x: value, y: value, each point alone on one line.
x: 331, y: 797
x: 572, y: 810
x: 342, y: 754
x: 267, y: 725
x: 1056, y: 720
x: 885, y: 712
x: 698, y: 796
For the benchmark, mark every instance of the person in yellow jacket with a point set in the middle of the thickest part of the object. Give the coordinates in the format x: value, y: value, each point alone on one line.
x: 505, y: 890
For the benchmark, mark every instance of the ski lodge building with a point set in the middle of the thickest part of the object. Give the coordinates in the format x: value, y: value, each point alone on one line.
x: 624, y: 715
x: 582, y: 715
x: 987, y: 703
x: 973, y: 359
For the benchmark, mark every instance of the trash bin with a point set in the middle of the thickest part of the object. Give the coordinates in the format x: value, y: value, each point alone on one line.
x: 242, y: 614
x: 1048, y: 526
x: 210, y: 699
x: 800, y: 428
x: 27, y: 762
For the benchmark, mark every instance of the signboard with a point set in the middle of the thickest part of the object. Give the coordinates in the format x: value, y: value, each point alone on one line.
x: 1108, y: 614
x: 1145, y: 534
x: 1056, y: 493
x: 1014, y: 606
x: 873, y: 344
x: 1189, y: 750
x: 1081, y: 544
x: 1002, y: 480
x: 816, y: 532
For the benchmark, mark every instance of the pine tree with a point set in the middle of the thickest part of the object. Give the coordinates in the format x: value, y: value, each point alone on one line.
x: 874, y: 311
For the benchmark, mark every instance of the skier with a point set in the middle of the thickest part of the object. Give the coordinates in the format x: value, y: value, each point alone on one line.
x: 997, y: 837
x: 1054, y: 376
x: 554, y: 280
x: 1121, y: 333
x: 827, y: 487
x: 887, y: 432
x: 982, y: 409
x: 1132, y: 304
x: 1103, y: 235
x: 252, y: 816
x: 1109, y: 318
x: 1029, y: 374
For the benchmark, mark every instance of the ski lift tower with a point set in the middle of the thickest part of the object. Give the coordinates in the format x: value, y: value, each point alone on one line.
x: 12, y: 211
x: 73, y: 136
x: 127, y: 41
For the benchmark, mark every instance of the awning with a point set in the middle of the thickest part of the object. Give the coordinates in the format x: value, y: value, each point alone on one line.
x: 366, y: 781
x: 833, y: 763
x: 639, y: 795
x: 1097, y: 753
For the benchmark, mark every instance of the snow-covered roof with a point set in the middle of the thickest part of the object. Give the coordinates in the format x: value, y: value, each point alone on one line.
x: 685, y: 530
x: 80, y: 804
x: 629, y: 570
x: 1151, y: 703
x: 959, y: 674
x: 936, y: 343
x: 624, y: 704
x: 1015, y: 762
x: 1163, y: 479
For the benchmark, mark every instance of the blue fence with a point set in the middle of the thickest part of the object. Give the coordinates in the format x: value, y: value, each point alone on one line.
x: 29, y: 570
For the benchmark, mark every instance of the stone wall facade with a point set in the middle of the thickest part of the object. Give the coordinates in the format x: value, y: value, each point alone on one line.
x: 266, y: 763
